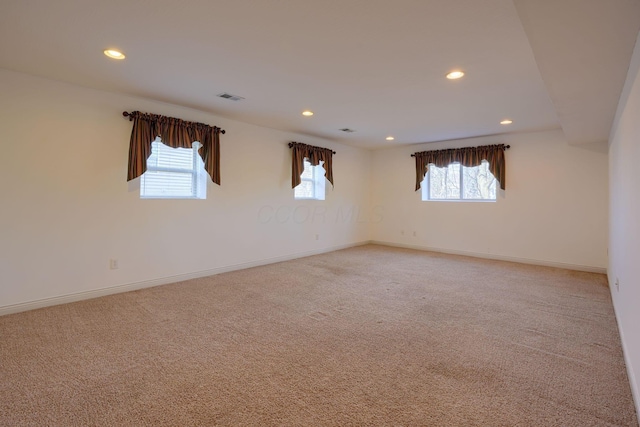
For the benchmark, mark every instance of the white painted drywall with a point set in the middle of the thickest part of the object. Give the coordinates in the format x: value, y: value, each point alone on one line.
x: 554, y: 209
x: 624, y: 223
x: 67, y: 208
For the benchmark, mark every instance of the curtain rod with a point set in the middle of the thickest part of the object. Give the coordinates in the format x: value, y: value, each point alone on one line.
x: 291, y: 145
x: 506, y: 147
x: 127, y: 114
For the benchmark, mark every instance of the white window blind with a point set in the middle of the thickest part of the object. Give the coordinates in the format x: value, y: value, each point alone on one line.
x: 174, y: 173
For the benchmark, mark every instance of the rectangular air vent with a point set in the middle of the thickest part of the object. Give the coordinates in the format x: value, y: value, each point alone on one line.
x: 226, y: 95
x: 347, y: 130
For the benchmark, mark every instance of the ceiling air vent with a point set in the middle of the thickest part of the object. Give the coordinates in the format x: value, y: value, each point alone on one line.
x: 226, y: 95
x: 347, y: 130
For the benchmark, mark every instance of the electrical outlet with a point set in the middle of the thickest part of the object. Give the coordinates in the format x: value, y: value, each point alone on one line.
x: 415, y: 234
x: 113, y: 264
x: 617, y: 285
x: 402, y: 232
x: 317, y: 237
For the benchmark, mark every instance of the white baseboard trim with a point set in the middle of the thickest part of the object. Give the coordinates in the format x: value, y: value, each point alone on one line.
x: 635, y: 391
x: 79, y: 296
x: 544, y: 263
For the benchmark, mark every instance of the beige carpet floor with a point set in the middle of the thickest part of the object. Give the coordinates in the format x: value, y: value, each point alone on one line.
x: 366, y: 336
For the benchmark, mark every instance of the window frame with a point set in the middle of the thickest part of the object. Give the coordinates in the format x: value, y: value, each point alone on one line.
x: 198, y: 176
x: 317, y: 181
x: 426, y: 186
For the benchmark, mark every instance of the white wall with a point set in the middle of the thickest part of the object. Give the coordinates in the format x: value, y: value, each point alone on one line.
x: 624, y: 223
x: 553, y: 212
x: 67, y: 208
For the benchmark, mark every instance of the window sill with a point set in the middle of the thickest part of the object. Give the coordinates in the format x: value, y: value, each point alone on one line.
x: 460, y: 200
x: 170, y: 198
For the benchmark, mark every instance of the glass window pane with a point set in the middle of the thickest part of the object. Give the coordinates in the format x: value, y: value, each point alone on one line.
x: 437, y: 183
x: 453, y: 181
x: 470, y: 180
x: 444, y: 183
x: 312, y: 186
x: 476, y: 183
x: 308, y: 171
x: 479, y: 183
x: 304, y: 190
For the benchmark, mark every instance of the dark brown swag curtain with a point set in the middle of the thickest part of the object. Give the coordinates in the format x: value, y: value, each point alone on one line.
x: 469, y: 157
x: 174, y: 133
x: 314, y: 155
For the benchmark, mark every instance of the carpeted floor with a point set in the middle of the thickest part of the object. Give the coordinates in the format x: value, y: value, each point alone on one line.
x: 361, y: 337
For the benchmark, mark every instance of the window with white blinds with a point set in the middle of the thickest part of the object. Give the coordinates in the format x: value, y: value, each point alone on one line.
x: 312, y: 185
x: 174, y: 173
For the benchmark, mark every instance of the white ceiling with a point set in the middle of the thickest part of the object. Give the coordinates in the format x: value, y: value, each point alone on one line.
x: 375, y: 66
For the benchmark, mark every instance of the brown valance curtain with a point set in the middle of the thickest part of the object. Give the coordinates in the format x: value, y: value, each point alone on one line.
x: 469, y: 157
x: 174, y: 133
x: 314, y: 155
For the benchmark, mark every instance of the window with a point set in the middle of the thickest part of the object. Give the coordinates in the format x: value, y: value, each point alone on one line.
x: 312, y: 185
x: 457, y: 182
x: 174, y: 173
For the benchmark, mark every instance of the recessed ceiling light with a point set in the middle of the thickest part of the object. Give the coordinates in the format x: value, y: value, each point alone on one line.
x: 455, y: 75
x: 506, y: 122
x: 390, y: 138
x: 115, y: 54
x: 307, y: 113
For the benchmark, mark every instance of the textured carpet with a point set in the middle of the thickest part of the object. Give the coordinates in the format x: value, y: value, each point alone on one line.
x: 364, y: 336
